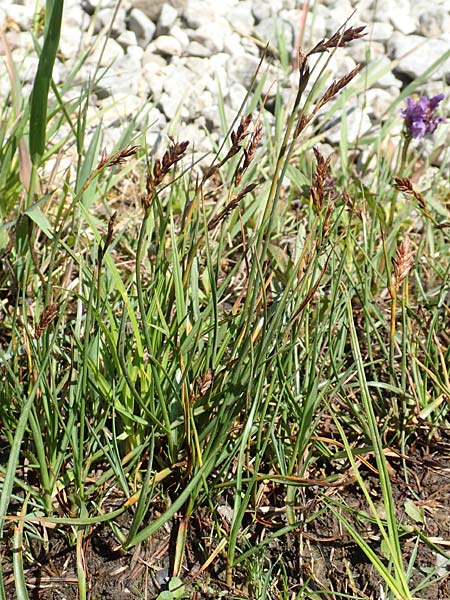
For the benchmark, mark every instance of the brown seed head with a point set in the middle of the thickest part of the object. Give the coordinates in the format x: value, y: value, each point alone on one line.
x: 335, y: 87
x: 338, y: 39
x: 49, y: 314
x: 402, y: 264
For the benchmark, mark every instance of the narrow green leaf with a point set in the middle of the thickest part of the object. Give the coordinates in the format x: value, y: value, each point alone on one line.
x: 41, y: 86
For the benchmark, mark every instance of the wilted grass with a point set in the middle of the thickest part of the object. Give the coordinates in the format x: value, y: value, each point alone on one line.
x: 236, y: 357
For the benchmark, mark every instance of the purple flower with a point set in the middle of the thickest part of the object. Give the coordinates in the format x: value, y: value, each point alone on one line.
x: 420, y: 117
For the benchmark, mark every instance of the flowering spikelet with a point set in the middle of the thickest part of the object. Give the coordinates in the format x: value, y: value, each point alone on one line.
x: 402, y: 265
x: 117, y: 158
x: 160, y: 169
x: 49, y: 314
x: 230, y: 206
x: 249, y: 153
x: 324, y: 185
x: 335, y: 87
x: 338, y: 40
x: 403, y: 184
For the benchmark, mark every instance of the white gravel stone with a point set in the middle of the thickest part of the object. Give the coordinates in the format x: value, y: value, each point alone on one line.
x: 106, y: 51
x: 273, y: 29
x: 167, y: 46
x: 111, y: 19
x: 179, y: 53
x: 434, y: 23
x: 212, y: 36
x: 416, y: 54
x: 358, y: 123
x: 140, y: 24
x: 380, y: 32
x: 378, y: 102
x: 152, y: 8
x: 167, y: 19
x: 406, y: 24
x: 180, y: 35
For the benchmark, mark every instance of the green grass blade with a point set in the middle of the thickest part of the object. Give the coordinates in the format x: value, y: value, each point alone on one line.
x: 41, y: 86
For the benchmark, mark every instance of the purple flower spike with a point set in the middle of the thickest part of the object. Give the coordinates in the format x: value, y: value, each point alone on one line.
x: 420, y: 117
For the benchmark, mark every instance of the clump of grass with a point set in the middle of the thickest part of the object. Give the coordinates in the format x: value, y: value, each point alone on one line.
x: 220, y: 356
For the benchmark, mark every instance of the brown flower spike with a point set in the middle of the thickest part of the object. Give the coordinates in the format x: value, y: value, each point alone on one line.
x: 402, y: 265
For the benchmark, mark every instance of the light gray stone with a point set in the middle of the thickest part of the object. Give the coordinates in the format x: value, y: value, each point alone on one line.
x: 174, y: 105
x: 105, y: 53
x: 150, y: 58
x: 416, y: 54
x: 110, y: 19
x: 433, y: 23
x: 381, y: 32
x: 379, y: 73
x: 143, y: 27
x: 241, y: 17
x: 212, y: 35
x: 166, y: 19
x: 127, y: 39
x: 365, y: 51
x: 242, y: 69
x: 403, y: 22
x: 153, y: 77
x: 21, y: 15
x: 123, y: 79
x: 199, y: 12
x: 337, y: 13
x: 358, y: 123
x: 152, y: 8
x: 339, y: 66
x: 378, y: 102
x: 180, y: 35
x: 236, y: 94
x: 273, y: 29
x: 71, y: 43
x: 198, y: 50
x: 167, y: 45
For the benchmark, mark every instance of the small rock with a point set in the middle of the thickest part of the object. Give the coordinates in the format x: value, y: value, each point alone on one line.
x: 380, y: 32
x: 379, y: 74
x: 241, y: 17
x: 155, y: 60
x: 402, y: 22
x: 71, y: 43
x: 111, y: 19
x: 434, y: 23
x: 378, y: 102
x: 141, y: 26
x: 105, y: 54
x: 243, y: 69
x: 266, y: 10
x: 416, y: 54
x: 21, y: 15
x: 212, y: 36
x: 273, y: 30
x: 337, y: 13
x: 127, y: 39
x: 236, y: 94
x: 174, y: 105
x: 153, y: 8
x: 198, y: 50
x: 357, y: 124
x: 167, y: 46
x: 180, y: 35
x: 364, y: 51
x: 167, y: 18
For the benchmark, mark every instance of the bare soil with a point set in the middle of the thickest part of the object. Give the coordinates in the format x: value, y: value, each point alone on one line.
x: 322, y: 553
